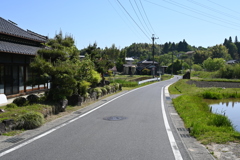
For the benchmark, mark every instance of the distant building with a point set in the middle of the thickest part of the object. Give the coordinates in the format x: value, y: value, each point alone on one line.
x: 17, y: 48
x: 152, y: 66
x: 232, y: 61
x: 129, y: 67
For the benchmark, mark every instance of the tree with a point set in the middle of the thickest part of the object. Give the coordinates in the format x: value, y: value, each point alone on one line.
x: 200, y: 56
x: 121, y: 60
x: 219, y: 51
x: 213, y: 64
x: 101, y: 60
x: 60, y: 64
x: 165, y: 48
x: 236, y: 39
x: 176, y: 66
x: 233, y: 50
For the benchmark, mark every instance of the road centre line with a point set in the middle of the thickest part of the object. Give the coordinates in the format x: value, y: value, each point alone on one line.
x: 171, y: 138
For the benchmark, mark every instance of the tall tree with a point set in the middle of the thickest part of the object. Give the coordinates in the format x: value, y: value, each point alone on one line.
x: 233, y: 50
x: 236, y: 39
x: 60, y: 64
x: 219, y: 51
x: 100, y: 59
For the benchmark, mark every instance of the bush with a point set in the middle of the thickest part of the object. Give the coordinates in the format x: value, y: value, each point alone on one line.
x: 212, y: 95
x: 219, y: 121
x: 104, y: 90
x: 20, y: 101
x: 11, y: 105
x: 30, y: 120
x: 146, y: 71
x: 108, y: 88
x: 98, y: 91
x: 32, y: 98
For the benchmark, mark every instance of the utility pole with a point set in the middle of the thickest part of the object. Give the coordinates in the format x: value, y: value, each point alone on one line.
x: 172, y: 63
x: 153, y: 38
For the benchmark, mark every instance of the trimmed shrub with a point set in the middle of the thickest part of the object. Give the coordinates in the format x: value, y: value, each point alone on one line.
x: 32, y: 98
x: 98, y: 90
x: 20, y: 101
x: 104, y: 90
x: 30, y: 120
x: 108, y: 88
x: 11, y: 105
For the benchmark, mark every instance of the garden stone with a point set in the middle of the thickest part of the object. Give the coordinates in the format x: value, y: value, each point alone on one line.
x: 9, y: 124
x: 63, y: 105
x: 2, y: 128
x: 93, y: 96
x: 75, y: 100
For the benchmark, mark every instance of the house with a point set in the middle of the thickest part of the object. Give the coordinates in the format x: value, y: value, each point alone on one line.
x: 153, y: 66
x: 129, y: 67
x: 17, y: 48
x: 232, y: 62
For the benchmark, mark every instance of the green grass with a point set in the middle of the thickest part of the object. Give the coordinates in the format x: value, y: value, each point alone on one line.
x: 203, y: 74
x: 195, y: 112
x: 14, y: 113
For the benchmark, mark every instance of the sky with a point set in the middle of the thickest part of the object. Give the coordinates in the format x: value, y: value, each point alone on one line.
x: 123, y: 22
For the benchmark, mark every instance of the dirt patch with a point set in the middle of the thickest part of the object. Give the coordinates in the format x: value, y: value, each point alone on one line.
x: 205, y: 84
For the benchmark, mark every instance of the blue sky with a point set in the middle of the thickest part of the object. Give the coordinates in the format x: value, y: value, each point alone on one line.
x: 200, y: 22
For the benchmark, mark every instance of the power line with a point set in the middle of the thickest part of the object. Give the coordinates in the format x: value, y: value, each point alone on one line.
x: 148, y: 20
x: 133, y: 20
x: 201, y: 13
x: 189, y: 15
x: 146, y: 16
x: 142, y: 16
x: 214, y: 10
x: 224, y: 7
x: 137, y: 15
x: 123, y: 19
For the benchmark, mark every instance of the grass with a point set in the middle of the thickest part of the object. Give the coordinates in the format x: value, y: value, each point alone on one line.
x: 195, y: 112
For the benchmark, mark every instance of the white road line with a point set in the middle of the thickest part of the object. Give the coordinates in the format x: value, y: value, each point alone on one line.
x: 172, y: 141
x: 62, y: 125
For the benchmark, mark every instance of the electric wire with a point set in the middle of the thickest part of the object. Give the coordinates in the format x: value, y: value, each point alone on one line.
x: 134, y: 31
x: 201, y: 13
x: 214, y: 10
x: 133, y: 19
x: 137, y: 16
x: 146, y: 16
x: 190, y: 15
x: 224, y: 7
x: 142, y: 17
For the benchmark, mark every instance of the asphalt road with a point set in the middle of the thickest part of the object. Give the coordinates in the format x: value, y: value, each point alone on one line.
x: 129, y: 127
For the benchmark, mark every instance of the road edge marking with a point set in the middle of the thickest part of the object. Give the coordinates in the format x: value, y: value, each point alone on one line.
x: 171, y: 138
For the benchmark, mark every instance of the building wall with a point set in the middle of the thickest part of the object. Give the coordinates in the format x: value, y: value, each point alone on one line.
x: 14, y: 72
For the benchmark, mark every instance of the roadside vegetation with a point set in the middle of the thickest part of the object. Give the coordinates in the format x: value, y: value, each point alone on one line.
x: 204, y: 125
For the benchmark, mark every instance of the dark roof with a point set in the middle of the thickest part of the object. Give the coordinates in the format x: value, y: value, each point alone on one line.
x: 9, y: 28
x: 147, y: 62
x: 18, y: 48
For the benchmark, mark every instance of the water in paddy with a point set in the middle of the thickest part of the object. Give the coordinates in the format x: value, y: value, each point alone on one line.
x: 231, y: 109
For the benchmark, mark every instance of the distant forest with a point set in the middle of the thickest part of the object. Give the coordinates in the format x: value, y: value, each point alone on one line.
x: 144, y: 50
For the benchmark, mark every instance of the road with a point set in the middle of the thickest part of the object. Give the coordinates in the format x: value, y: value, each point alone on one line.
x: 133, y: 126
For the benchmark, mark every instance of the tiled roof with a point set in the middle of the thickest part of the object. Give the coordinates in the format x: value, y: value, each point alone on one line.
x: 18, y: 48
x: 9, y: 28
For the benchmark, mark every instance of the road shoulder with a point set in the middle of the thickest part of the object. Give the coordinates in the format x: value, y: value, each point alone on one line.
x: 196, y: 150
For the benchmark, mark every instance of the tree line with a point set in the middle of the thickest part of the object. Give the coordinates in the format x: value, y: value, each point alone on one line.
x: 59, y: 62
